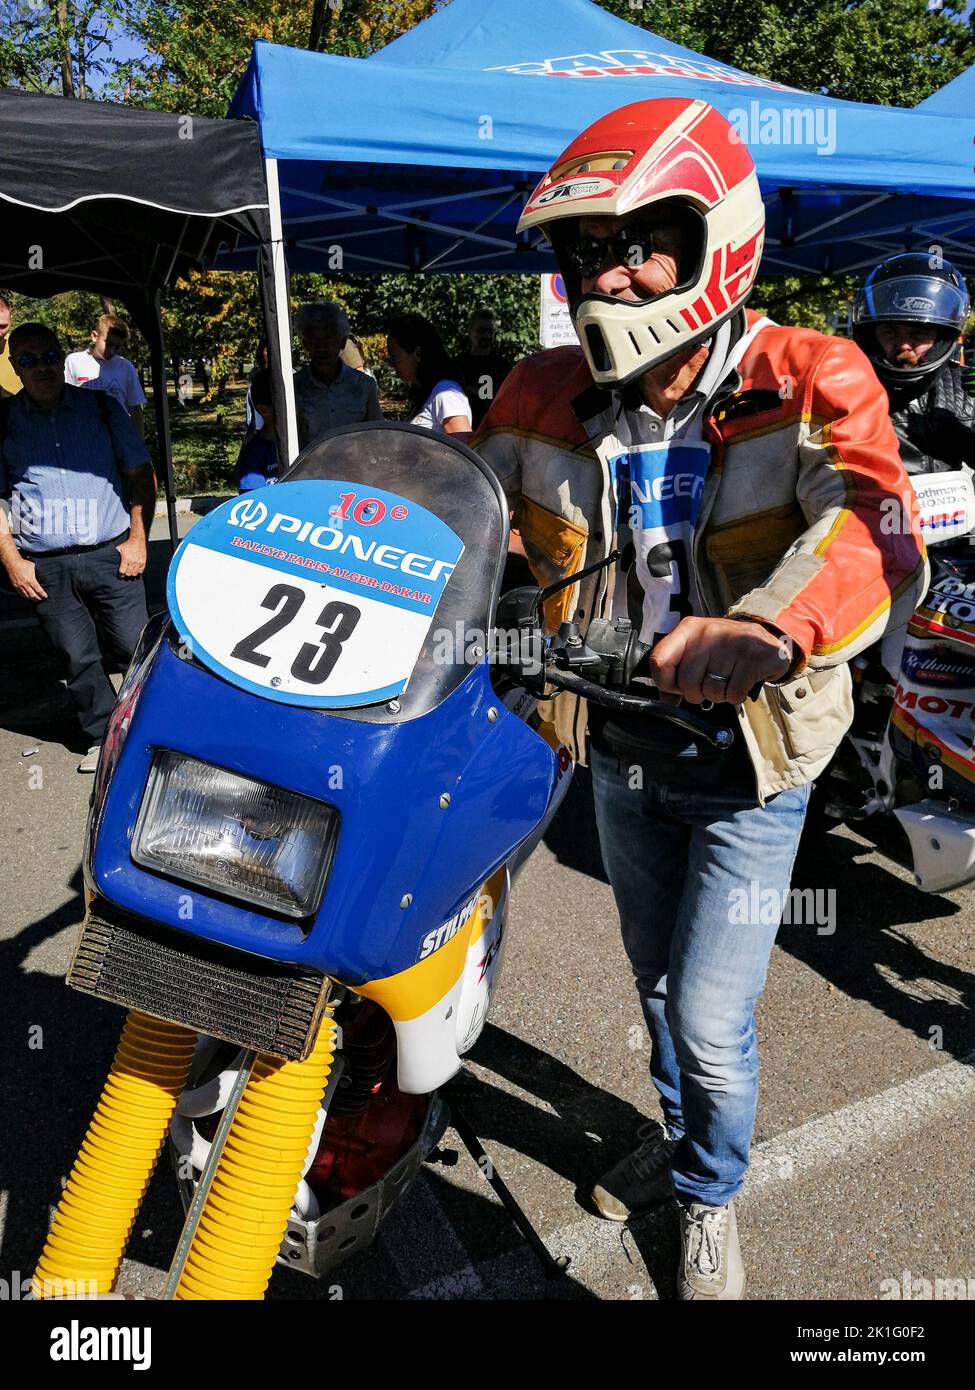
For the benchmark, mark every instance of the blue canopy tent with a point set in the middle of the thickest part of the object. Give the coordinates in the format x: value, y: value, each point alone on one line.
x: 956, y: 99
x: 421, y: 157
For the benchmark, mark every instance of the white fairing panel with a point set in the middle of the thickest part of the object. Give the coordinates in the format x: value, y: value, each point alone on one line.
x: 942, y: 845
x: 480, y: 972
x: 430, y: 1047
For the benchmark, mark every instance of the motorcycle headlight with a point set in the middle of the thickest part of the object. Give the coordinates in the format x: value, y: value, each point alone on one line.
x: 244, y: 838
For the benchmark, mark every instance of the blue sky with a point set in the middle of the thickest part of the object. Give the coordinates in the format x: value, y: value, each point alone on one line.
x: 122, y: 49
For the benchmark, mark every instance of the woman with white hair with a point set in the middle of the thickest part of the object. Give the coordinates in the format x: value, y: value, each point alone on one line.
x: 327, y: 392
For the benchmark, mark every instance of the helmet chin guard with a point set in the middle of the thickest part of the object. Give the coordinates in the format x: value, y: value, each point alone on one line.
x: 670, y: 150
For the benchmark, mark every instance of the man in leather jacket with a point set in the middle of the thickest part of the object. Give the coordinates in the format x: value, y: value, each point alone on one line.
x: 741, y: 471
x: 907, y: 318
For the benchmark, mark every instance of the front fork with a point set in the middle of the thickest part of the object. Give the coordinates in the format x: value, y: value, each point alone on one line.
x: 233, y: 1235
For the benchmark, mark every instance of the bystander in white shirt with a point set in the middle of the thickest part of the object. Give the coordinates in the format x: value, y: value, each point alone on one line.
x: 445, y: 400
x: 116, y: 375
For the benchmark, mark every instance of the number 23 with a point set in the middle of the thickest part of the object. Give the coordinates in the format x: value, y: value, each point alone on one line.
x: 313, y: 664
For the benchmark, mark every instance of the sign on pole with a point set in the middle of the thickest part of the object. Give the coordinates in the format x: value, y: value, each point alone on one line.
x: 555, y: 325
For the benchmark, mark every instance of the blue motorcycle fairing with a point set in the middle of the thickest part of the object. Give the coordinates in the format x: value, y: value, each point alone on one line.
x: 394, y: 839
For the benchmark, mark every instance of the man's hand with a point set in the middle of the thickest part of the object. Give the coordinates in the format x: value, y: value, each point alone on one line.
x: 24, y: 579
x: 719, y: 659
x: 133, y: 558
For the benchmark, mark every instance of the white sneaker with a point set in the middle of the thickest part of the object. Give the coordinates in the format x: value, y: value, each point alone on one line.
x: 710, y: 1259
x: 89, y: 762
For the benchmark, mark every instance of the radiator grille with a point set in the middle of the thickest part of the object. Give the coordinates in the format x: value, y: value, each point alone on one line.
x: 209, y: 988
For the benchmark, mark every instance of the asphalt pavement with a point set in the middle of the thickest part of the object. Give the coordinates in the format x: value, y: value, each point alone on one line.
x: 862, y: 1167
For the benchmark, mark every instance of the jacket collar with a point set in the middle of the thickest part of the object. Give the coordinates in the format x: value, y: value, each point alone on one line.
x: 592, y: 405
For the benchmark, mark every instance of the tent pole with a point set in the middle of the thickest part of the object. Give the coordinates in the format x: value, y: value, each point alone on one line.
x: 160, y: 402
x: 279, y: 289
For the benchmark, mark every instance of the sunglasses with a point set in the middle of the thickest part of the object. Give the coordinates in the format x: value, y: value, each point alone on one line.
x: 632, y: 246
x: 28, y: 360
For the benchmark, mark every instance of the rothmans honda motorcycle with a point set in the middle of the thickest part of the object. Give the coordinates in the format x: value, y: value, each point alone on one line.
x: 905, y: 773
x: 314, y: 794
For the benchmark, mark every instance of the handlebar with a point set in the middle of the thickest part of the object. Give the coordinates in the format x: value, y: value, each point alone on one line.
x: 609, y: 655
x: 635, y: 704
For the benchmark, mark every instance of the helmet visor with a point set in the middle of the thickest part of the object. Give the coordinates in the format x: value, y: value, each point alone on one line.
x: 913, y: 299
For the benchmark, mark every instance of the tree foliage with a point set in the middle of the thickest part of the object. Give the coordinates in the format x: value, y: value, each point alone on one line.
x: 892, y: 52
x: 196, y: 50
x: 71, y: 315
x: 356, y: 28
x: 58, y: 45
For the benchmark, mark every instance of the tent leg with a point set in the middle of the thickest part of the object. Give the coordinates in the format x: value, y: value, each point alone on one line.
x: 160, y: 401
x: 279, y: 327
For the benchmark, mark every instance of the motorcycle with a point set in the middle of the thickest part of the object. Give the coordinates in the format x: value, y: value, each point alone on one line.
x: 316, y: 790
x: 905, y: 773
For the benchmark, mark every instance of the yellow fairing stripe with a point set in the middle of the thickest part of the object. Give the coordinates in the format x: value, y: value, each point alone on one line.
x: 414, y: 991
x: 921, y: 736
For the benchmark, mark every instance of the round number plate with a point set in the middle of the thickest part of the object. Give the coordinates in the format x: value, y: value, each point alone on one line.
x: 312, y: 593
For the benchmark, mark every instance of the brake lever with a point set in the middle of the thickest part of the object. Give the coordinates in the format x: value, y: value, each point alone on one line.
x: 634, y: 704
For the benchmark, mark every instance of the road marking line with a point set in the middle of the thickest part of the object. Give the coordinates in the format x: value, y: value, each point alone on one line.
x: 853, y: 1130
x: 858, y: 1128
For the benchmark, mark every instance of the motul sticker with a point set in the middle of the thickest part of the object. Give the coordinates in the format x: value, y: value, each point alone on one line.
x: 941, y: 718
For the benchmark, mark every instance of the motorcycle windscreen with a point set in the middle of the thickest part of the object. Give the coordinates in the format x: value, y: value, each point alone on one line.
x: 932, y: 723
x: 357, y: 583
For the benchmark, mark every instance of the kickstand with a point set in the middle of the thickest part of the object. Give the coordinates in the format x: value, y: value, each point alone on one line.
x: 553, y: 1266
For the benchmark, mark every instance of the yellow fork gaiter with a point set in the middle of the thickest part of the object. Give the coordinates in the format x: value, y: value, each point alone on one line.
x: 246, y: 1210
x: 108, y: 1181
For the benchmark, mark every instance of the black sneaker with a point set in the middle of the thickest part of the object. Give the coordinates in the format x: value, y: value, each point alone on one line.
x: 639, y: 1181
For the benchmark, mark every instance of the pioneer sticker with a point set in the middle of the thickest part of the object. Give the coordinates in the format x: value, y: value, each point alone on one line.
x: 315, y: 593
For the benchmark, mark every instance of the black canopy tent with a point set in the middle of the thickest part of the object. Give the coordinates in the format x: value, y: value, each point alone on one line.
x: 123, y: 201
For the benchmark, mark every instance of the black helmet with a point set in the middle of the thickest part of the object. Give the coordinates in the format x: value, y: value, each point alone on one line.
x: 910, y: 289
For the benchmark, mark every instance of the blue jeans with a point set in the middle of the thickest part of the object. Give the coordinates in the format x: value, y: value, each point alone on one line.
x: 682, y: 864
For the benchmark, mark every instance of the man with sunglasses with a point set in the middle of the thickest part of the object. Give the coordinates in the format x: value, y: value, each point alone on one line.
x: 749, y: 477
x: 73, y: 535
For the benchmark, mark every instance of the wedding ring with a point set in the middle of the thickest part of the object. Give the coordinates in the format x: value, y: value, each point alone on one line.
x: 713, y: 676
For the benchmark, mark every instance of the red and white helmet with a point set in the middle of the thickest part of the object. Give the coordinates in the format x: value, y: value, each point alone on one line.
x: 675, y: 150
